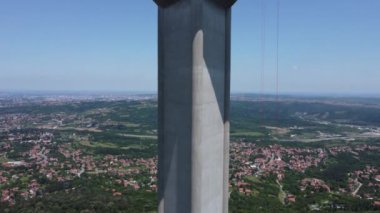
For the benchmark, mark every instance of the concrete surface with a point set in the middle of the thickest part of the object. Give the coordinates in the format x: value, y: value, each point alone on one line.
x: 193, y: 96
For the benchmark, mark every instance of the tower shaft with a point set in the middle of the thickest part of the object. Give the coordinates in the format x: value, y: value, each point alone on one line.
x: 193, y: 102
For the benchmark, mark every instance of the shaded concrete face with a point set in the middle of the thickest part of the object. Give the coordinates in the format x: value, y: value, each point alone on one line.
x: 194, y: 78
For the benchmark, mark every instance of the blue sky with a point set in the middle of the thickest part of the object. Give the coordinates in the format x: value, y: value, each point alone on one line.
x: 326, y: 46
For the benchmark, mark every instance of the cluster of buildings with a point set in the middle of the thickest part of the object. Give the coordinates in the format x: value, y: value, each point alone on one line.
x: 354, y: 150
x: 63, y: 162
x: 314, y: 184
x: 14, y: 121
x: 8, y: 194
x: 247, y: 159
x: 18, y: 121
x: 367, y: 178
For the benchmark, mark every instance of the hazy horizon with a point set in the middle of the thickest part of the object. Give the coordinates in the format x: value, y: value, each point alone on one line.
x: 233, y: 93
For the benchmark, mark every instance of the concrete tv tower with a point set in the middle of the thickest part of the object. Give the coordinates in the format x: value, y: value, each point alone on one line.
x: 193, y: 104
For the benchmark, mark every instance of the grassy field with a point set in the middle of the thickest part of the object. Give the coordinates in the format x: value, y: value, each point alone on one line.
x: 3, y: 158
x: 98, y: 144
x: 108, y: 145
x: 247, y: 134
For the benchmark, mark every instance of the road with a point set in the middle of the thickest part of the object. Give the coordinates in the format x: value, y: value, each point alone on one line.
x: 41, y: 153
x: 82, y: 170
x: 357, y: 189
x: 139, y: 136
x: 281, y: 194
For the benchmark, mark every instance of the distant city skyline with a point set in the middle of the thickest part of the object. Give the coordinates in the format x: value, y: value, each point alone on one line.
x: 326, y: 47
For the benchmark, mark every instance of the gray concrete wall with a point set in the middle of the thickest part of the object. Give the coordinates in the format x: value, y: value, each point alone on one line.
x: 194, y: 78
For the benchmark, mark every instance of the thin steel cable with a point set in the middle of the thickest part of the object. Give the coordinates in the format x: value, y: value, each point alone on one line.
x: 263, y: 46
x: 262, y: 70
x: 277, y: 58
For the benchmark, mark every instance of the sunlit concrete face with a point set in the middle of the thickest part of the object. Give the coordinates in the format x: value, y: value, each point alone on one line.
x: 194, y: 89
x: 207, y: 131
